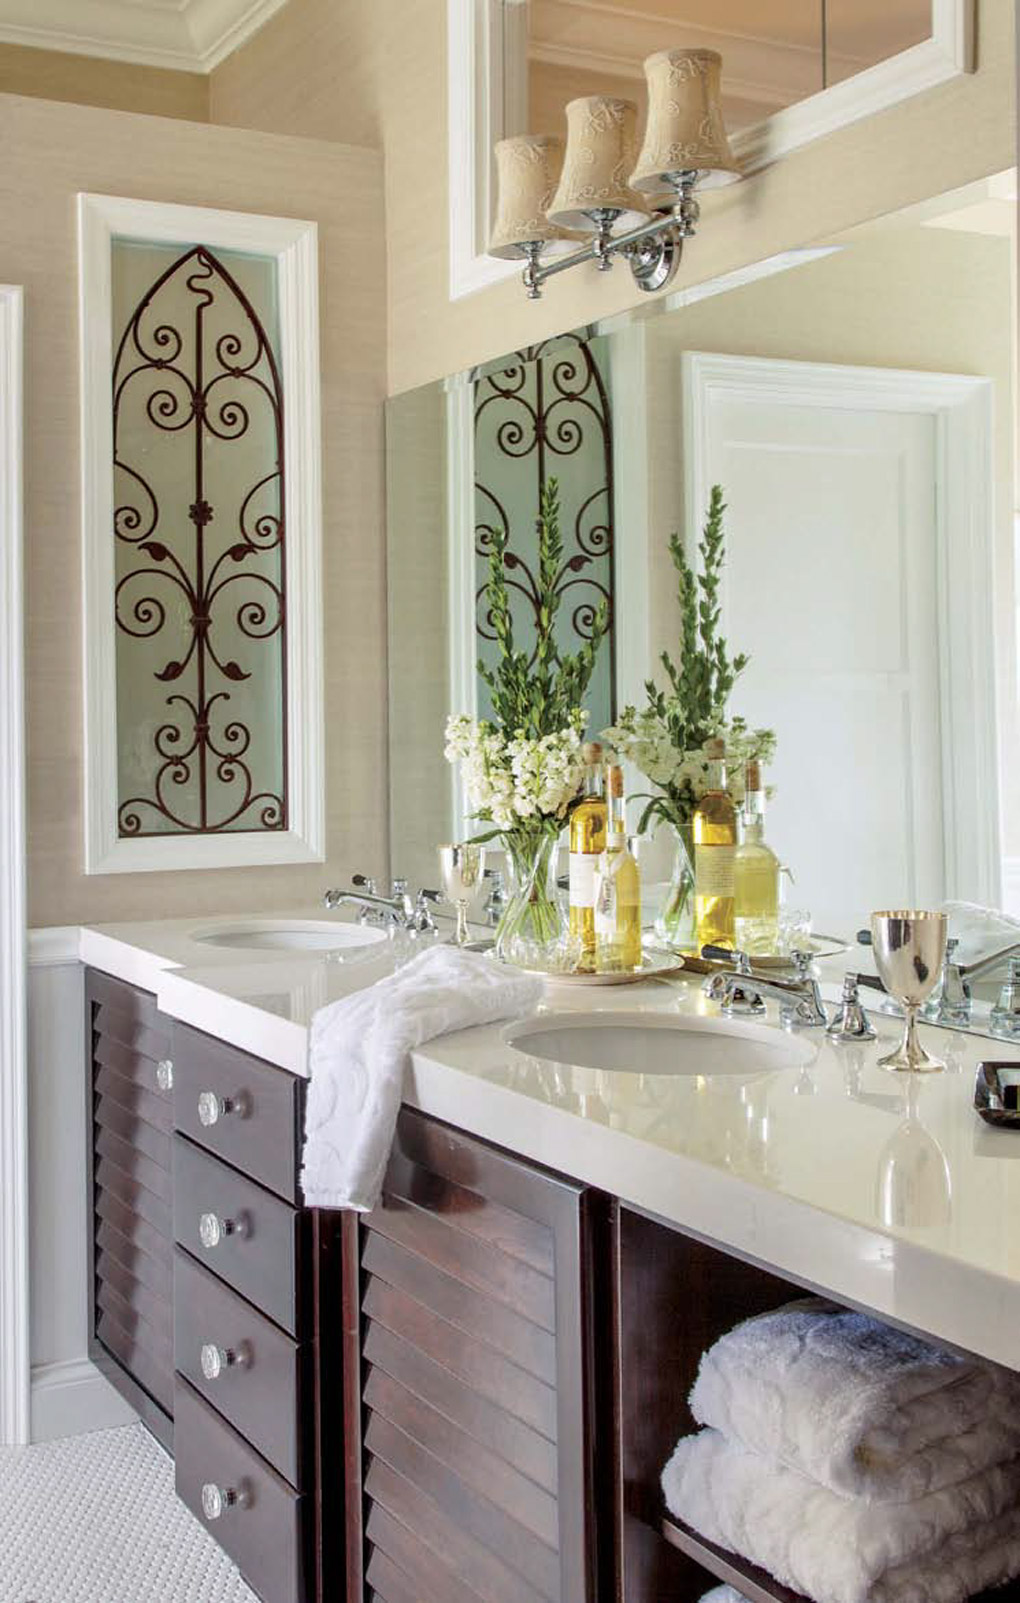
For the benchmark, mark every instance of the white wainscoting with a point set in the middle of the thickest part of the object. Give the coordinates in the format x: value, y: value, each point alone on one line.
x: 68, y: 1393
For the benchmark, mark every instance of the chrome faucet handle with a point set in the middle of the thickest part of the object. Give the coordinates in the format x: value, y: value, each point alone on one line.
x: 850, y: 1022
x: 1005, y: 1015
x: 421, y: 921
x: 496, y: 900
x: 802, y: 964
x: 954, y: 1004
x: 737, y: 999
x: 364, y: 883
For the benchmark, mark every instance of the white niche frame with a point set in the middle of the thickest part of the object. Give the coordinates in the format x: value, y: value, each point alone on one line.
x: 293, y: 245
x: 487, y: 78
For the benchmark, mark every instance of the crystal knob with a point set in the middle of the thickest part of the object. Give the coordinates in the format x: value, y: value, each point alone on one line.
x: 215, y: 1360
x: 217, y: 1499
x: 211, y: 1108
x: 212, y: 1229
x: 165, y: 1074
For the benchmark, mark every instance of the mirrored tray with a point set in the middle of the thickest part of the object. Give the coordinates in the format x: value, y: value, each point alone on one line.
x: 655, y: 965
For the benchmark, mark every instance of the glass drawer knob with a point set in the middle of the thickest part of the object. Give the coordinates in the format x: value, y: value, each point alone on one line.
x: 215, y: 1360
x: 211, y: 1108
x: 217, y: 1499
x: 165, y: 1074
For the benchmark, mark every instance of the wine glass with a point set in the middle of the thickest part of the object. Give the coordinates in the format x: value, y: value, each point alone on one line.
x: 461, y: 867
x: 909, y: 948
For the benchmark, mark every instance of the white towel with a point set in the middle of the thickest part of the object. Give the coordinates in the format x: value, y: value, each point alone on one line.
x: 358, y: 1049
x: 980, y: 930
x: 943, y: 1548
x: 852, y: 1403
x: 724, y: 1594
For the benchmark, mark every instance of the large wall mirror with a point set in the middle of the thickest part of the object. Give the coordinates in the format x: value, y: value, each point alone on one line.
x: 793, y: 70
x: 857, y: 403
x: 203, y: 629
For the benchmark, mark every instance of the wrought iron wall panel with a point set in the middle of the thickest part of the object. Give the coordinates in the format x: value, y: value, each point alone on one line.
x: 199, y: 537
x: 547, y: 414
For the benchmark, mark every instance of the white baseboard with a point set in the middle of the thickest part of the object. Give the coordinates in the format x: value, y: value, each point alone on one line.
x: 72, y: 1397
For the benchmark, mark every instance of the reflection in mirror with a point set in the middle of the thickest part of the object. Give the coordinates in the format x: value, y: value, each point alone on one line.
x: 775, y: 52
x: 857, y: 404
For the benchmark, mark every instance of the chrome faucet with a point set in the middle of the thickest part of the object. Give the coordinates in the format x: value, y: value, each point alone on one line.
x: 740, y: 991
x: 394, y: 912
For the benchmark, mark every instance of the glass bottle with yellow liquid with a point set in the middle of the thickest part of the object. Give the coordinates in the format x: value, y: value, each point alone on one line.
x: 756, y: 871
x: 587, y: 843
x: 618, y: 890
x: 715, y: 842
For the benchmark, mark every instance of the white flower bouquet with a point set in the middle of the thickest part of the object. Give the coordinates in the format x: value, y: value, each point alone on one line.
x: 666, y: 738
x: 522, y: 770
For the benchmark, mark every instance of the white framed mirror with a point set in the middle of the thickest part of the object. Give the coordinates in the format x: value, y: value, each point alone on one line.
x: 202, y: 538
x: 793, y: 71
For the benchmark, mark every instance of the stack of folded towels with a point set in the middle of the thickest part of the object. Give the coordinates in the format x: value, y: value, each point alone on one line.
x: 851, y: 1461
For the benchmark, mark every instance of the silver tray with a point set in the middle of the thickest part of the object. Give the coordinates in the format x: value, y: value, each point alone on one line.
x: 997, y: 1094
x: 655, y: 965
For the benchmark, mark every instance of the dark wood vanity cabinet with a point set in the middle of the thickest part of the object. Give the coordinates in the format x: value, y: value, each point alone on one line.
x: 472, y: 1378
x: 130, y: 1196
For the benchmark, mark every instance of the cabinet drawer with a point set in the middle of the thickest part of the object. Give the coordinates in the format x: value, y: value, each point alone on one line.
x: 245, y: 1111
x: 261, y: 1392
x: 254, y: 1240
x: 265, y: 1529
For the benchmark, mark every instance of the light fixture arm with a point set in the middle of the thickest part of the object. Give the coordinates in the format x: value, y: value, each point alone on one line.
x: 653, y: 249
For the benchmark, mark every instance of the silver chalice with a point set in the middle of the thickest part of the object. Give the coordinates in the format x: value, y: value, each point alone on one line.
x: 909, y: 947
x: 462, y: 867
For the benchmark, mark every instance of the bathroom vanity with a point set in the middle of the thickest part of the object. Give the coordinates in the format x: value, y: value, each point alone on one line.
x: 471, y: 1392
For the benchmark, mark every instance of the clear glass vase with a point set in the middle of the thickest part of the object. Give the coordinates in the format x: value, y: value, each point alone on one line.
x: 533, y: 931
x: 674, y: 923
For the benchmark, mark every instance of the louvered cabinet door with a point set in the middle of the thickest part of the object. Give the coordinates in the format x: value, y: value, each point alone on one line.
x: 131, y: 1236
x: 470, y: 1374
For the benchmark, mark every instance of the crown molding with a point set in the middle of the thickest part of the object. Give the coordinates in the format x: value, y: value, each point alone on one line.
x: 182, y: 35
x: 591, y: 36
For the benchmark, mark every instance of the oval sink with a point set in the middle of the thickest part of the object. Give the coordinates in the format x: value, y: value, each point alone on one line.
x: 290, y: 935
x: 649, y: 1043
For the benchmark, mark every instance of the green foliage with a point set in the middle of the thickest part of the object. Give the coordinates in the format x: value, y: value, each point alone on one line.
x: 539, y: 693
x: 702, y: 681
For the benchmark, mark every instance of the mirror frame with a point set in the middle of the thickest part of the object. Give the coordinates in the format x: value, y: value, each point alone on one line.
x: 487, y: 78
x: 293, y: 246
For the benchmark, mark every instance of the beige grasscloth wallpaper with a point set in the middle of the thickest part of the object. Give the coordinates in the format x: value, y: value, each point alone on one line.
x: 51, y: 151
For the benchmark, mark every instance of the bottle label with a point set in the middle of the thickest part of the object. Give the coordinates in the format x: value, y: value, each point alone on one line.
x: 713, y: 870
x: 582, y: 878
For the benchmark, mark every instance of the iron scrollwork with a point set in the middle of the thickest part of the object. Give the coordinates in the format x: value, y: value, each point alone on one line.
x: 202, y: 374
x: 550, y: 402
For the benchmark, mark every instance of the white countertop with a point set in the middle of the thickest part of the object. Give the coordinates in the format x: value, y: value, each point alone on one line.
x: 786, y: 1166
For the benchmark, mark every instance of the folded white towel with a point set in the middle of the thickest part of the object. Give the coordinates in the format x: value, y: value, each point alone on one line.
x: 724, y: 1594
x: 852, y: 1403
x: 980, y: 930
x: 358, y: 1049
x: 942, y: 1548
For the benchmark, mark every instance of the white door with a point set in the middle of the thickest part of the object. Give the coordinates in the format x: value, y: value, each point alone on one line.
x: 832, y: 587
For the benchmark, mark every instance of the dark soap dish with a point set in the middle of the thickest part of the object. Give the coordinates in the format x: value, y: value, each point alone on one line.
x: 997, y: 1093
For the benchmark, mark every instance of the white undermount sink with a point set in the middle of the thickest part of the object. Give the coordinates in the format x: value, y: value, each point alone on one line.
x: 652, y: 1043
x: 290, y: 935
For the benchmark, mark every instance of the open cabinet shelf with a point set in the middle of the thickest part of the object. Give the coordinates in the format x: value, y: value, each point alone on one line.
x: 676, y: 1295
x: 757, y: 1585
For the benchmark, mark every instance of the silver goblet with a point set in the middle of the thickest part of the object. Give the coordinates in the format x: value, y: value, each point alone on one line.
x: 462, y: 868
x: 909, y: 948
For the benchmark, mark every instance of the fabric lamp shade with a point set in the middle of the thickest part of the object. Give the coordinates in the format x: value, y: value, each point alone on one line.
x: 528, y: 167
x: 601, y: 140
x: 685, y: 131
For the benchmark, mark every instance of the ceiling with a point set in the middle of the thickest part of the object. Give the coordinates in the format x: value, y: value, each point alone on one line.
x: 184, y: 35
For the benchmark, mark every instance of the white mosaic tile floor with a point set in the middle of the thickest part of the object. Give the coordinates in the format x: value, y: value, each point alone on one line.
x: 94, y: 1519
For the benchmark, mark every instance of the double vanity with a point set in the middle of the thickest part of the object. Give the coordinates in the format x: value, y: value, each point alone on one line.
x: 469, y: 1394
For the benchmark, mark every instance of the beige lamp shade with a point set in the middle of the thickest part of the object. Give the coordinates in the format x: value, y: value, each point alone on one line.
x: 685, y: 131
x: 528, y: 167
x: 601, y: 140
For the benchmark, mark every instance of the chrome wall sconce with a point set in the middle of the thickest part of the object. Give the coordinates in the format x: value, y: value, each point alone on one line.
x: 642, y: 208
